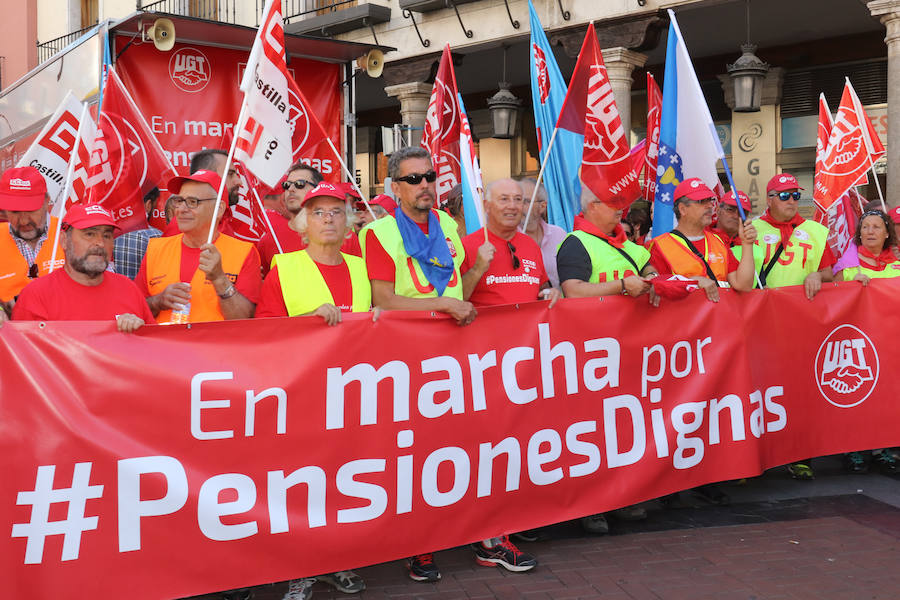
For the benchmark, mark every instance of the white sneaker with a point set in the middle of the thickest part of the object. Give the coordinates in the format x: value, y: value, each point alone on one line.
x: 299, y: 589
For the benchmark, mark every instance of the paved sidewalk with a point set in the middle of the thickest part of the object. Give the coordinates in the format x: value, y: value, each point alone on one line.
x: 834, y: 538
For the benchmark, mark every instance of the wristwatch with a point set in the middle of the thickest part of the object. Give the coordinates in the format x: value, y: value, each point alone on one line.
x: 229, y: 292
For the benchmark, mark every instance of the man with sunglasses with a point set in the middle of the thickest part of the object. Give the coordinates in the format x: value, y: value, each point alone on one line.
x: 508, y: 267
x: 691, y: 251
x: 794, y: 250
x: 214, y: 282
x: 27, y: 240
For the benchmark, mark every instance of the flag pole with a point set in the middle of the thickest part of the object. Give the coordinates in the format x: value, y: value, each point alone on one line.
x: 351, y: 178
x: 228, y: 160
x: 539, y: 178
x: 67, y: 188
x: 262, y: 207
x: 877, y: 184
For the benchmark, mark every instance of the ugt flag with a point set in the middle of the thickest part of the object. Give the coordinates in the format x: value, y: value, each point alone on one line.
x: 264, y: 139
x: 85, y: 164
x: 853, y: 147
x: 651, y: 157
x: 470, y: 174
x: 548, y: 93
x: 128, y: 160
x: 441, y: 135
x: 590, y: 109
x: 688, y: 143
x: 51, y: 150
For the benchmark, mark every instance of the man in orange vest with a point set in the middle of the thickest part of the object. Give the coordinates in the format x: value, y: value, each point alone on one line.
x: 691, y: 251
x: 184, y: 276
x: 27, y: 241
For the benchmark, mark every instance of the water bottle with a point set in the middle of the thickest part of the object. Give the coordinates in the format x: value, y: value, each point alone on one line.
x: 180, y: 316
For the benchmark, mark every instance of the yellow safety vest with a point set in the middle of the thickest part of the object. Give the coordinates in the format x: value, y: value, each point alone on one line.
x: 304, y: 289
x: 409, y: 280
x: 607, y: 263
x: 889, y: 271
x: 801, y: 255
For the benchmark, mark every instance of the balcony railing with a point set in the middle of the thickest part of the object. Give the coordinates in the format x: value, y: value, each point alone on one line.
x: 48, y: 49
x: 212, y: 10
x: 299, y: 9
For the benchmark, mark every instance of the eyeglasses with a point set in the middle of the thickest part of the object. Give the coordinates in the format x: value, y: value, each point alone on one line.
x: 416, y: 178
x: 189, y: 201
x: 298, y: 184
x: 320, y: 214
x: 785, y: 196
x: 704, y: 202
x: 515, y: 259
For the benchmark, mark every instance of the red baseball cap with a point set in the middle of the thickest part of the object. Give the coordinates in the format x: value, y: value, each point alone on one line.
x: 894, y: 214
x: 201, y: 176
x: 729, y: 200
x: 693, y: 189
x: 349, y: 189
x: 325, y: 190
x: 382, y: 200
x: 782, y: 182
x: 83, y: 216
x: 22, y: 189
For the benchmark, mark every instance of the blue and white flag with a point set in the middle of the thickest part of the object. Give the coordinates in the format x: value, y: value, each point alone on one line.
x: 548, y: 93
x: 688, y: 143
x: 470, y: 174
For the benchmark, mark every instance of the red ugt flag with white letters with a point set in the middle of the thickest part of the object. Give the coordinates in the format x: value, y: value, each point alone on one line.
x: 441, y: 136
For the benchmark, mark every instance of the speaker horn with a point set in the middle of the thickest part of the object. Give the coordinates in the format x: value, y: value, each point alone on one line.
x: 162, y: 34
x: 372, y: 62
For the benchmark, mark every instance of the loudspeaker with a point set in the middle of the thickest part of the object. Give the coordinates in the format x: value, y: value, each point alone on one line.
x: 162, y: 33
x: 372, y: 62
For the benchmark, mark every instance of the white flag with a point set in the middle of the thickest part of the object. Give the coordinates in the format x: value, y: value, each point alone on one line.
x: 51, y: 150
x: 86, y: 165
x: 263, y: 141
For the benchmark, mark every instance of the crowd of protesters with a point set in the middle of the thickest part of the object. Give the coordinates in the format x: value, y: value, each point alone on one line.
x: 328, y: 252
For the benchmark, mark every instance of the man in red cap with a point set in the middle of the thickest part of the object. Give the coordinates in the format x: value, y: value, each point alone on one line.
x: 82, y: 289
x: 691, y: 251
x: 27, y: 241
x: 894, y: 215
x: 209, y: 282
x: 728, y: 219
x: 794, y: 250
x: 382, y: 206
x: 320, y: 279
x: 507, y: 268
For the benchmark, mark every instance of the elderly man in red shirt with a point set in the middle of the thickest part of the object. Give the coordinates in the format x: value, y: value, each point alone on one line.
x: 82, y: 289
x: 508, y: 267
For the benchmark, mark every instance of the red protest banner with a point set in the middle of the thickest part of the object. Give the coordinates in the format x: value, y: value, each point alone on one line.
x: 182, y: 461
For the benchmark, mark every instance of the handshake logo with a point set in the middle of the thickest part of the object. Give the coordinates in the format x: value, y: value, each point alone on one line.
x: 846, y: 367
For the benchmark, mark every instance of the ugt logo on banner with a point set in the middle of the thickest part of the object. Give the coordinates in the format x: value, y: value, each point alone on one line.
x: 189, y: 70
x: 847, y: 367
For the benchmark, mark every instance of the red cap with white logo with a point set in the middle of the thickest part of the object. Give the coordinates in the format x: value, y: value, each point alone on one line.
x: 325, y: 190
x: 730, y: 201
x: 83, y: 216
x: 201, y: 176
x: 22, y: 189
x: 693, y: 189
x: 894, y: 214
x: 782, y: 183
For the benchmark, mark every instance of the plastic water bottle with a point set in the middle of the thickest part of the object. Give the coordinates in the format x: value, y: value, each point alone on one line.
x: 180, y: 316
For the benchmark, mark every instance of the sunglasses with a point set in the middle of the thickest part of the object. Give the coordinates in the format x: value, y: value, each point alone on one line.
x: 515, y: 259
x: 416, y: 178
x: 298, y: 184
x: 785, y: 196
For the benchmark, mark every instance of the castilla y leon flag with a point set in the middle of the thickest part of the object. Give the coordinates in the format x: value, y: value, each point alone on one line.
x: 51, y: 150
x: 590, y: 109
x: 127, y: 160
x: 441, y: 135
x: 853, y: 147
x: 264, y: 139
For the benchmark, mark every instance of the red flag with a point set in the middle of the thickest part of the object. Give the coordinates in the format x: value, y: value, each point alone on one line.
x: 840, y: 219
x: 853, y: 146
x: 654, y: 112
x: 441, y: 136
x: 127, y: 160
x: 306, y: 130
x: 824, y: 132
x: 590, y: 110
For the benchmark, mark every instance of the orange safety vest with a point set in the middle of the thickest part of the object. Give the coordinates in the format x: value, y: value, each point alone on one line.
x: 164, y: 268
x: 14, y: 267
x: 684, y: 262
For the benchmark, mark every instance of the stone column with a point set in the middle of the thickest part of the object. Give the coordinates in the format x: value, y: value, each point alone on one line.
x: 889, y: 13
x: 413, y: 97
x: 620, y: 62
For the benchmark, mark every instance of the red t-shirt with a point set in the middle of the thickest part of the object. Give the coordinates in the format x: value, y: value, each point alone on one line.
x: 502, y: 283
x: 58, y: 297
x: 248, y: 281
x: 337, y: 278
x: 662, y: 266
x: 291, y: 242
x: 379, y: 263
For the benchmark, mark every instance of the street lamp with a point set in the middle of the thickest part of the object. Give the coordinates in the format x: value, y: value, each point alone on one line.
x: 504, y: 108
x: 747, y: 73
